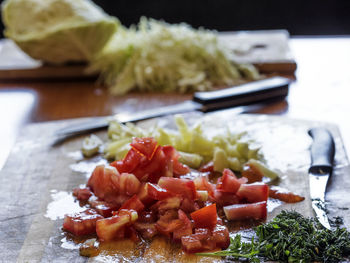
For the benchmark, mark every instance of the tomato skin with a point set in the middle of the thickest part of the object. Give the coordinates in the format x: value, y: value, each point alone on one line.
x: 284, y: 195
x: 182, y: 187
x: 173, y: 161
x: 100, y: 182
x: 156, y: 192
x: 202, y: 183
x: 205, y: 217
x: 82, y: 194
x: 102, y: 207
x: 185, y: 228
x: 133, y: 203
x: 82, y: 223
x: 253, y: 193
x: 207, y: 168
x: 222, y: 198
x: 145, y: 146
x: 257, y: 211
x: 228, y: 183
x: 221, y: 236
x: 111, y: 228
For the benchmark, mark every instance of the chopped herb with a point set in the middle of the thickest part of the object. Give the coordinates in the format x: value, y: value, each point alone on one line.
x: 290, y: 237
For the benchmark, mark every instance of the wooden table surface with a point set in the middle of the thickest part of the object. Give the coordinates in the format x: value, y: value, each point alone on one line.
x: 320, y: 92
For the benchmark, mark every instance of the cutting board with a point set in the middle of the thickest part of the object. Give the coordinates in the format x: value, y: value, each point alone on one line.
x: 268, y: 50
x: 37, y: 181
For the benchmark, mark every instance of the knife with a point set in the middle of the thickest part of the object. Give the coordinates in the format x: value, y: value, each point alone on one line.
x: 322, y: 157
x: 265, y: 90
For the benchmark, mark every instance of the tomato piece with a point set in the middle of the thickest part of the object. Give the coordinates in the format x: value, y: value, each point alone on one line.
x: 222, y: 198
x: 284, y: 195
x: 182, y: 187
x: 173, y: 157
x: 168, y: 222
x: 191, y: 244
x: 126, y: 184
x: 168, y: 204
x: 252, y: 173
x: 107, y: 229
x: 82, y: 194
x: 156, y: 192
x: 101, y: 183
x: 207, y: 168
x: 131, y: 160
x: 82, y: 223
x: 131, y: 233
x: 228, y: 182
x: 133, y: 203
x: 188, y: 205
x: 257, y: 211
x: 205, y: 217
x: 202, y: 183
x: 221, y: 236
x: 253, y: 193
x: 145, y: 146
x: 186, y: 227
x: 147, y: 230
x: 102, y: 207
x: 147, y: 217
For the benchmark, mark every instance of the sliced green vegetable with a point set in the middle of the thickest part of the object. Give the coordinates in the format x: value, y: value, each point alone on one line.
x: 267, y: 172
x: 91, y: 145
x: 193, y: 160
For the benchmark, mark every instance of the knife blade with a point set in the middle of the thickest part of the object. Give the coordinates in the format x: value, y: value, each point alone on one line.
x: 245, y: 94
x: 322, y: 157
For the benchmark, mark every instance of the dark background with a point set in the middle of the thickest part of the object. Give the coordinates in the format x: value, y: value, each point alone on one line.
x: 299, y: 17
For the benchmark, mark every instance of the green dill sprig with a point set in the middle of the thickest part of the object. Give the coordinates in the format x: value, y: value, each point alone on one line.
x: 238, y: 250
x: 290, y: 237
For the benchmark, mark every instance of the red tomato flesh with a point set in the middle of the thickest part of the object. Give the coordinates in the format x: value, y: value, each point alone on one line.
x: 228, y: 183
x: 205, y: 217
x: 255, y: 211
x: 182, y: 187
x: 284, y: 195
x: 82, y: 223
x: 253, y: 193
x: 145, y: 146
x: 133, y: 203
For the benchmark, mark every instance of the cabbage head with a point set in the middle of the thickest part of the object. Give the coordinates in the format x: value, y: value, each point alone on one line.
x: 58, y: 31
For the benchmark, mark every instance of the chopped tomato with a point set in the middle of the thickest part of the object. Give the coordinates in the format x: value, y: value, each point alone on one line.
x: 284, y: 195
x: 131, y: 160
x: 255, y: 211
x: 172, y: 155
x: 185, y: 228
x: 202, y: 183
x: 102, y: 207
x: 147, y: 230
x: 131, y: 233
x: 228, y: 182
x: 221, y: 236
x: 82, y: 194
x: 133, y: 203
x: 101, y: 182
x: 168, y: 222
x: 207, y: 168
x: 222, y: 198
x: 126, y: 184
x: 107, y: 229
x: 188, y: 205
x: 145, y: 146
x: 205, y: 217
x: 182, y: 187
x: 82, y: 223
x: 253, y: 193
x: 169, y: 203
x: 156, y: 192
x: 147, y: 217
x: 252, y: 173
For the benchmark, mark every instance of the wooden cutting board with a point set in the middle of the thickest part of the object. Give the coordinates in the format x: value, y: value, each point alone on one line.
x: 268, y: 50
x: 37, y: 181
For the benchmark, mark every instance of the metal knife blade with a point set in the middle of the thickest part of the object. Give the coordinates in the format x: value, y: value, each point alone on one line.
x: 244, y: 94
x: 322, y: 157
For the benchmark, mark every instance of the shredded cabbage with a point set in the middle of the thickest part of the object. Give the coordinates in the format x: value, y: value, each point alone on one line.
x: 156, y: 56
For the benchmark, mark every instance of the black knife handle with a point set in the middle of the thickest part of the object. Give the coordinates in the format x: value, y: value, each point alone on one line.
x: 322, y: 150
x: 245, y: 94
